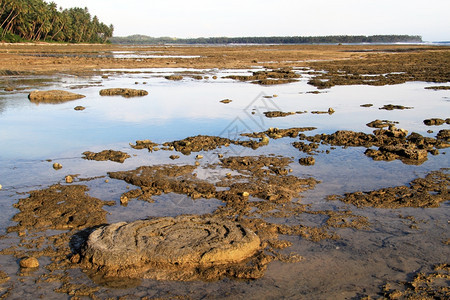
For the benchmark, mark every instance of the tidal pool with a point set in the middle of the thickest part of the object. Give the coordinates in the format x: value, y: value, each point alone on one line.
x: 34, y: 136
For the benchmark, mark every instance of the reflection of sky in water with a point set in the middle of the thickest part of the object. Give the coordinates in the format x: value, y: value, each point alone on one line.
x: 30, y: 133
x: 175, y: 110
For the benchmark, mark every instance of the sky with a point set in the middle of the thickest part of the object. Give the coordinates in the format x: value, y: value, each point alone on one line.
x: 236, y: 18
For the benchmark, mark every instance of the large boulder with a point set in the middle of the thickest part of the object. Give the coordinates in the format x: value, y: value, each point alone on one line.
x: 53, y: 96
x: 169, y: 248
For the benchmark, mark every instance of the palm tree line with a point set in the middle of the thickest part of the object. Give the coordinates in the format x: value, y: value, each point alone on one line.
x: 37, y: 20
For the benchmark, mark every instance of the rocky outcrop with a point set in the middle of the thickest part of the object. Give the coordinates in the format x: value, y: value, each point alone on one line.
x: 53, y: 96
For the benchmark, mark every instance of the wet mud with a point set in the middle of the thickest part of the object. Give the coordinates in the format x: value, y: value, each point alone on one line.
x: 53, y: 96
x: 112, y: 155
x: 384, y: 69
x: 430, y: 191
x: 58, y: 207
x: 429, y: 285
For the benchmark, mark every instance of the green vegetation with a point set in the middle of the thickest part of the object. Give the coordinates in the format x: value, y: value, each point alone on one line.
x: 37, y: 20
x: 331, y: 39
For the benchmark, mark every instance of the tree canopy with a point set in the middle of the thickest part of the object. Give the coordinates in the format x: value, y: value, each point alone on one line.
x: 37, y: 20
x: 331, y: 39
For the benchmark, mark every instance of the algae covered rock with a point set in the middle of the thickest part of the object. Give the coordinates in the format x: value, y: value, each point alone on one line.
x: 169, y: 248
x: 53, y: 96
x: 123, y: 92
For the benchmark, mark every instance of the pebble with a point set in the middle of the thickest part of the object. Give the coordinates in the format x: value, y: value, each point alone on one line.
x: 69, y: 179
x: 197, y: 163
x: 0, y: 186
x: 124, y: 200
x: 57, y: 166
x: 29, y: 262
x: 199, y: 156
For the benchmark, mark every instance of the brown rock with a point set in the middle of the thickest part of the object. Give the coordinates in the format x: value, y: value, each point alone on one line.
x: 29, y: 262
x: 307, y: 161
x: 123, y: 92
x: 53, y: 96
x: 169, y: 248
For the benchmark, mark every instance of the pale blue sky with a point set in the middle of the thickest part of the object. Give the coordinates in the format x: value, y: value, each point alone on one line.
x: 206, y: 18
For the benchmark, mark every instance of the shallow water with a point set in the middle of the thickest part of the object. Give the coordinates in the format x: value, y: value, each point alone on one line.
x: 355, y: 265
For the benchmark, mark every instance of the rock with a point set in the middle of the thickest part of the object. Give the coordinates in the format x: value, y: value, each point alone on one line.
x: 3, y: 277
x: 199, y: 156
x: 331, y: 111
x: 381, y: 123
x: 392, y: 107
x: 124, y: 200
x: 434, y: 121
x: 245, y: 194
x: 169, y: 248
x: 174, y: 77
x: 79, y: 108
x: 123, y: 92
x: 366, y: 105
x: 57, y: 166
x: 112, y: 155
x: 173, y: 157
x: 9, y: 89
x: 226, y: 101
x: 53, y: 96
x: 307, y: 161
x: 277, y: 114
x: 69, y: 179
x: 0, y: 186
x: 29, y: 262
x: 214, y: 77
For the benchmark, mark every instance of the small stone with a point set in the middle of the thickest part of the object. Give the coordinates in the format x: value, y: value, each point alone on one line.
x: 228, y: 175
x: 0, y: 186
x: 307, y: 161
x: 124, y: 200
x: 174, y: 157
x: 220, y: 156
x: 57, y: 166
x: 29, y: 262
x: 275, y: 95
x: 197, y: 163
x: 199, y: 156
x: 265, y: 140
x: 331, y: 111
x: 9, y: 89
x: 69, y: 179
x: 214, y: 77
x: 75, y: 259
x: 106, y: 180
x: 79, y: 107
x: 245, y: 194
x: 226, y: 101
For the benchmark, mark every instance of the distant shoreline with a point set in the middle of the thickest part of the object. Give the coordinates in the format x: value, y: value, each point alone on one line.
x: 273, y: 40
